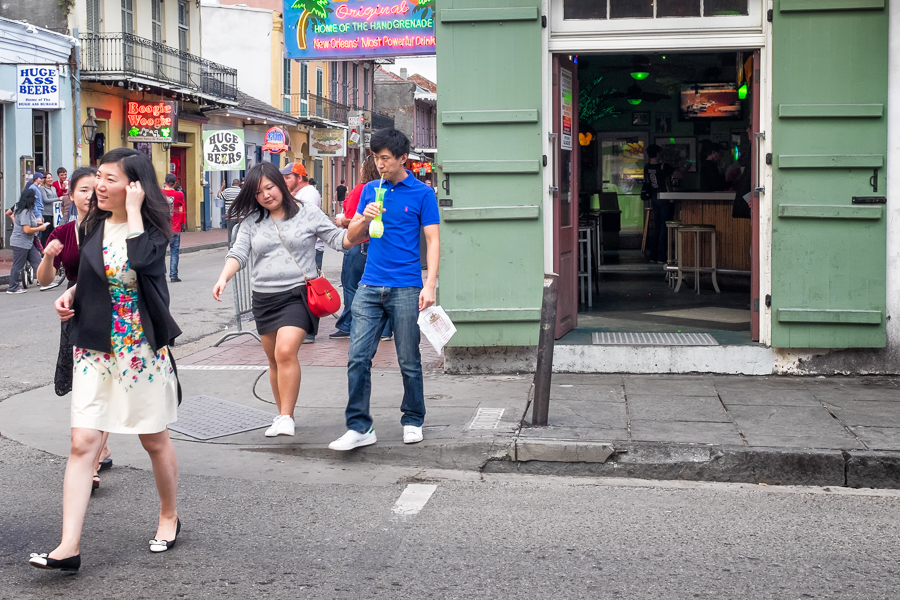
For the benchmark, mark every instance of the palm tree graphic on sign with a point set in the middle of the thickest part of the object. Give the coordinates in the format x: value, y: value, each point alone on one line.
x: 314, y: 12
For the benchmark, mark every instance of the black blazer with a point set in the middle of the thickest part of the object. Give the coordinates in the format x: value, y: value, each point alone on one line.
x: 93, y: 305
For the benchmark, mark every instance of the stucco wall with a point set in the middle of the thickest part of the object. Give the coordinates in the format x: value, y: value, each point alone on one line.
x: 43, y: 14
x: 397, y: 100
x: 250, y: 51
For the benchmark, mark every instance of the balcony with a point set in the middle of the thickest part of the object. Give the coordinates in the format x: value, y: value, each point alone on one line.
x: 426, y: 139
x: 118, y: 56
x: 316, y: 110
x: 382, y: 121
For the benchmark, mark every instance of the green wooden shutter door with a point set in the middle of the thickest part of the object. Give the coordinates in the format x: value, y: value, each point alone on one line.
x: 489, y: 145
x: 829, y: 137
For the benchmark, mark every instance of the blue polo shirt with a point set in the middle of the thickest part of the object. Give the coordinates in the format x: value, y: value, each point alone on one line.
x: 394, y: 259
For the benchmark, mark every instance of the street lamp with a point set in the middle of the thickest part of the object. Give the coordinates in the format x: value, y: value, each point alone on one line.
x: 89, y: 129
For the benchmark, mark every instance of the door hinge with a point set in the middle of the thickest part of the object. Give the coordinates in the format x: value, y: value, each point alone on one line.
x: 769, y: 14
x: 768, y: 300
x: 545, y: 160
x: 768, y: 158
x: 544, y: 21
x: 553, y: 189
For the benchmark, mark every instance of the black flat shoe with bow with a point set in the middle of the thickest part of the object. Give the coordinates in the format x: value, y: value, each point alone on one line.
x: 42, y: 561
x: 164, y: 545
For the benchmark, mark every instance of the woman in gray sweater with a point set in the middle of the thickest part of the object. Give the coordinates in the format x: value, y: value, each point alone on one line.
x: 277, y: 239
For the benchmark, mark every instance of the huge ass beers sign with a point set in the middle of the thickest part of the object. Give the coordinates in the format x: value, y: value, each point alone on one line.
x: 153, y: 121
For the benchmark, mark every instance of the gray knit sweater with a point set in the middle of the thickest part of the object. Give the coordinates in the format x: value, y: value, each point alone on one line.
x: 271, y: 267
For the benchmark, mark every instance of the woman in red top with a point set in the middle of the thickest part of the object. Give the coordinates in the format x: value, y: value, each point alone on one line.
x: 62, y: 249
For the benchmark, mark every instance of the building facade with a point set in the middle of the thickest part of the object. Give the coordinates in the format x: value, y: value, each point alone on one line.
x: 412, y: 103
x: 796, y: 101
x: 41, y: 133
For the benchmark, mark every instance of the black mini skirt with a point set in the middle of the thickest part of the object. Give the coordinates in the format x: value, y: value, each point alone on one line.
x: 284, y: 309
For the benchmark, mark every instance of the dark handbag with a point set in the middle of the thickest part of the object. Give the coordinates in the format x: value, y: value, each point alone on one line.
x: 65, y: 362
x: 321, y: 297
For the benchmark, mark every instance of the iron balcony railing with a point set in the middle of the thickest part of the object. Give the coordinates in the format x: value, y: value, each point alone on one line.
x: 313, y: 106
x: 426, y: 139
x: 382, y: 121
x: 111, y: 55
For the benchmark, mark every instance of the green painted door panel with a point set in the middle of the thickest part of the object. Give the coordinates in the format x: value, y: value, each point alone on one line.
x: 829, y: 136
x: 490, y: 153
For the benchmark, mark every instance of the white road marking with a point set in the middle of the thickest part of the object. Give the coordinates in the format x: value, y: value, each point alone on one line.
x: 413, y: 499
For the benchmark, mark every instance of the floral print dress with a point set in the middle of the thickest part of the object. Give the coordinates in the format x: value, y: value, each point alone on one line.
x: 132, y: 389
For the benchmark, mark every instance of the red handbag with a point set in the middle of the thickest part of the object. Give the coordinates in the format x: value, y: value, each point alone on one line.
x: 321, y: 297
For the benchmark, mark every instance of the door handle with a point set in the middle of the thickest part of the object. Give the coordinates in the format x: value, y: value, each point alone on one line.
x: 446, y: 184
x: 873, y: 181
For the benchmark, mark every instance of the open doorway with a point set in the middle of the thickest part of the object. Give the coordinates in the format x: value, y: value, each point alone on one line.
x: 667, y: 153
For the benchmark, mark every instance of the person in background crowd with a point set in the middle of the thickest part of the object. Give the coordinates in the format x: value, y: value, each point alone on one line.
x: 355, y: 258
x: 62, y: 250
x: 276, y: 241
x: 429, y: 184
x: 392, y: 288
x: 657, y: 175
x: 49, y: 198
x: 295, y: 173
x: 25, y: 226
x: 37, y: 184
x: 124, y: 379
x: 177, y: 208
x: 312, y: 182
x: 711, y: 178
x: 227, y: 195
x: 61, y: 185
x: 340, y: 192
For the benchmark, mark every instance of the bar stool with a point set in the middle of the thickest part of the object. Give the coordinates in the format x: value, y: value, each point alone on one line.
x: 671, y: 251
x: 585, y: 270
x: 696, y: 269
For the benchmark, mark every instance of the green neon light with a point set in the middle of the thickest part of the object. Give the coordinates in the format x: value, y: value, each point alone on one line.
x: 634, y: 101
x: 742, y: 91
x: 640, y: 75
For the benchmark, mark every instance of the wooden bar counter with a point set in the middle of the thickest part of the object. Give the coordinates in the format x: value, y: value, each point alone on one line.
x: 733, y: 236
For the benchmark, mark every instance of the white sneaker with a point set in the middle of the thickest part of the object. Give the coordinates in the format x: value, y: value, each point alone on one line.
x: 51, y: 286
x: 281, y: 425
x: 353, y: 439
x: 412, y: 434
x: 18, y: 291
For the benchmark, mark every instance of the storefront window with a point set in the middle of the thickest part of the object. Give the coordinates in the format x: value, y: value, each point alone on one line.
x: 648, y: 9
x: 715, y: 8
x: 678, y: 8
x: 630, y: 9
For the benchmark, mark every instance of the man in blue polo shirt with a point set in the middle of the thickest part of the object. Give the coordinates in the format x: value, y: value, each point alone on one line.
x: 391, y: 288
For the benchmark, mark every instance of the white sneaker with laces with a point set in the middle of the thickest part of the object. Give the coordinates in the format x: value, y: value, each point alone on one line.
x: 353, y: 439
x: 412, y: 434
x: 281, y: 425
x: 51, y: 286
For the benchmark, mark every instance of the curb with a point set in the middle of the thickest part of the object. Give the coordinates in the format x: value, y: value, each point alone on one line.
x: 4, y: 279
x: 725, y: 464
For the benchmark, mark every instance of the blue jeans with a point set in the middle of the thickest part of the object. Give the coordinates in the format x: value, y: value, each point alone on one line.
x: 372, y: 307
x: 174, y: 246
x: 351, y: 272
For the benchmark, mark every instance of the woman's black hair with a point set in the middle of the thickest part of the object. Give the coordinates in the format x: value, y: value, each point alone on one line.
x: 137, y: 167
x: 246, y: 204
x: 81, y: 173
x: 26, y: 201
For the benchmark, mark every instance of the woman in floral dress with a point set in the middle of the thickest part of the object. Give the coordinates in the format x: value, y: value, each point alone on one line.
x: 124, y: 379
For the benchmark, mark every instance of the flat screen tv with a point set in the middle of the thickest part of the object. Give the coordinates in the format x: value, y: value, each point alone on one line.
x: 710, y: 101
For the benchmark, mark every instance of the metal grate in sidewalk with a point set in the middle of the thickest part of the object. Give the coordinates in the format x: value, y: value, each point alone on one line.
x: 605, y: 338
x: 486, y: 418
x: 205, y: 418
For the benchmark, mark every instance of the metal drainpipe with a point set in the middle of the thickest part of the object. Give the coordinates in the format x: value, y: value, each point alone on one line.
x: 76, y: 97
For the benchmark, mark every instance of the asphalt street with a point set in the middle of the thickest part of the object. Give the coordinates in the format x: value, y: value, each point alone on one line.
x: 475, y: 536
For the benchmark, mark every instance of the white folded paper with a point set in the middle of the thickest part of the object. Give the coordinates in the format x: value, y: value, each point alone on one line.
x: 436, y: 326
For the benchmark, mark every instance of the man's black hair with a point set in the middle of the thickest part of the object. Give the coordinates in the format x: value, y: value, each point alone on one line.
x: 342, y: 182
x: 392, y: 140
x: 653, y: 151
x: 170, y: 179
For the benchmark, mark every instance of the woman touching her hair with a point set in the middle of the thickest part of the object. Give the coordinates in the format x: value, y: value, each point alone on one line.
x: 277, y: 238
x: 124, y: 379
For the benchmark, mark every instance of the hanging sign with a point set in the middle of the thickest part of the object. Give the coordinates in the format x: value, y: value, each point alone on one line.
x: 277, y: 141
x: 37, y: 87
x: 565, y: 89
x: 341, y: 30
x: 421, y: 167
x: 328, y: 142
x: 223, y: 150
x: 153, y: 121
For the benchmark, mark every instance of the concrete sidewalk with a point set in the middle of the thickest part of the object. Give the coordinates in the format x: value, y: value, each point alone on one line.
x: 191, y: 241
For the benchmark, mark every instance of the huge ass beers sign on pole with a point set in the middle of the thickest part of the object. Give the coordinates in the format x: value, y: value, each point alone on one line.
x: 344, y: 29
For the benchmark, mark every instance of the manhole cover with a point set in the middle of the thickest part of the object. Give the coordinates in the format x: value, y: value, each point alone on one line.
x: 606, y: 338
x: 205, y: 418
x: 486, y: 418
